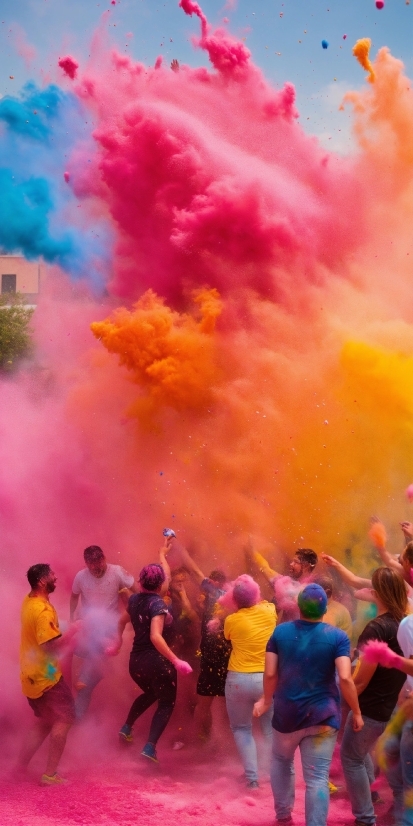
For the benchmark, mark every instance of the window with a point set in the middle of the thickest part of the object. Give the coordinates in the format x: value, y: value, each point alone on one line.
x: 8, y: 284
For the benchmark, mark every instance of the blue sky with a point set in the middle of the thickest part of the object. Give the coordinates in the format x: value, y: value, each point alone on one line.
x: 284, y: 38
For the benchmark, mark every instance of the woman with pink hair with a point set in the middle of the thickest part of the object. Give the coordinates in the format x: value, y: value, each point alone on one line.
x: 248, y: 628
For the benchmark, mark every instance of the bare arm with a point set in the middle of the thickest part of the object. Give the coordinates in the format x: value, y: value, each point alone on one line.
x: 378, y: 536
x: 406, y: 665
x: 164, y: 562
x: 270, y: 684
x: 363, y: 675
x: 348, y: 690
x: 407, y: 528
x: 74, y: 599
x: 187, y: 609
x: 192, y: 566
x: 158, y: 641
x: 258, y: 561
x: 115, y: 647
x: 346, y: 575
x: 59, y: 645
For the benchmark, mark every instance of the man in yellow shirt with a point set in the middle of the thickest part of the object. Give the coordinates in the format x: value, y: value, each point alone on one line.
x: 41, y: 678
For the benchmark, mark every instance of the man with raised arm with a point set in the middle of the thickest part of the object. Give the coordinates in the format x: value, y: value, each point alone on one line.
x: 286, y: 588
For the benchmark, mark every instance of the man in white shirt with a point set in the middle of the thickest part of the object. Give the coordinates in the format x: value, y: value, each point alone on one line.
x: 98, y: 586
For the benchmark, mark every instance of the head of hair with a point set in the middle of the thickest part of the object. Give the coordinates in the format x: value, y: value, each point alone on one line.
x: 246, y: 592
x: 37, y: 572
x: 93, y: 553
x: 408, y: 552
x: 307, y: 556
x: 326, y: 583
x: 179, y: 571
x: 152, y: 576
x: 390, y: 587
x: 218, y: 576
x: 312, y: 601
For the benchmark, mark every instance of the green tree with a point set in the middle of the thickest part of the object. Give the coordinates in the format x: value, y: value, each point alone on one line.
x: 15, y: 339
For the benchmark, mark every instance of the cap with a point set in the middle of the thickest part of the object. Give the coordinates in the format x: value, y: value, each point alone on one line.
x: 312, y: 601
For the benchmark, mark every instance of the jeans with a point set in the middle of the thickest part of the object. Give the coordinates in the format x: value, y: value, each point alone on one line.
x: 316, y: 745
x: 242, y: 690
x: 90, y: 674
x: 399, y: 753
x: 358, y: 765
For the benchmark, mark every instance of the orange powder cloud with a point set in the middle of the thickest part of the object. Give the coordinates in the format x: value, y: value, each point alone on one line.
x: 291, y: 420
x: 361, y: 51
x: 170, y: 356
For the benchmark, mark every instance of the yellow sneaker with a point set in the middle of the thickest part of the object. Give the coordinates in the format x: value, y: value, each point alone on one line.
x: 332, y: 788
x: 52, y: 780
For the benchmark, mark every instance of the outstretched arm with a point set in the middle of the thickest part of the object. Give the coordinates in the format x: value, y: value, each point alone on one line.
x: 192, y: 566
x: 166, y: 547
x: 378, y: 536
x: 378, y: 653
x: 65, y: 642
x: 346, y: 575
x: 116, y: 645
x: 258, y: 561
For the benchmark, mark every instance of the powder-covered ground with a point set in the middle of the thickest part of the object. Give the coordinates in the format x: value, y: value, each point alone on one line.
x: 110, y: 784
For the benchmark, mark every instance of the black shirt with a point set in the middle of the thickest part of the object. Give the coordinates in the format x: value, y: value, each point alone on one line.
x: 379, y: 698
x: 214, y: 647
x: 142, y: 608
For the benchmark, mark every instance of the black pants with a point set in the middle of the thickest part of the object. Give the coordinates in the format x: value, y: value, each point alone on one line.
x: 157, y: 678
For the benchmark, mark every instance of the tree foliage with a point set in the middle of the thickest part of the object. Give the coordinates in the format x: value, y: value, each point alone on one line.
x: 15, y: 338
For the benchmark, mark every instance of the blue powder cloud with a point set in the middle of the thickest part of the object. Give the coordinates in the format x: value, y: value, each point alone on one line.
x: 32, y: 114
x: 38, y: 130
x: 24, y: 224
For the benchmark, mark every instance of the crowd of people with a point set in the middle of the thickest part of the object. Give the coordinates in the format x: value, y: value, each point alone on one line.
x: 301, y: 662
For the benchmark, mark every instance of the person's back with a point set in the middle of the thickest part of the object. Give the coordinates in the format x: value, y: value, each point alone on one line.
x: 249, y: 630
x: 301, y: 660
x: 306, y: 692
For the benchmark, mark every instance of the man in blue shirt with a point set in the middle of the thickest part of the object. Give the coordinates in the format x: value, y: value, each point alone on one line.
x: 301, y: 663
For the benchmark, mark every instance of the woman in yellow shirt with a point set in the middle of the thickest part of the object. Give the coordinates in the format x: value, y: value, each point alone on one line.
x: 249, y: 630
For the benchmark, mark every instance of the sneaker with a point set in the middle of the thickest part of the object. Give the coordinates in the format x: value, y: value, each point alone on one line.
x: 253, y: 784
x: 332, y: 788
x: 52, y: 780
x: 284, y: 821
x: 375, y: 798
x: 125, y: 734
x: 149, y: 751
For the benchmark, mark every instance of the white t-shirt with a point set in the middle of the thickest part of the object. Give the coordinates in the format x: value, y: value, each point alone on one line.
x: 405, y: 640
x: 101, y: 592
